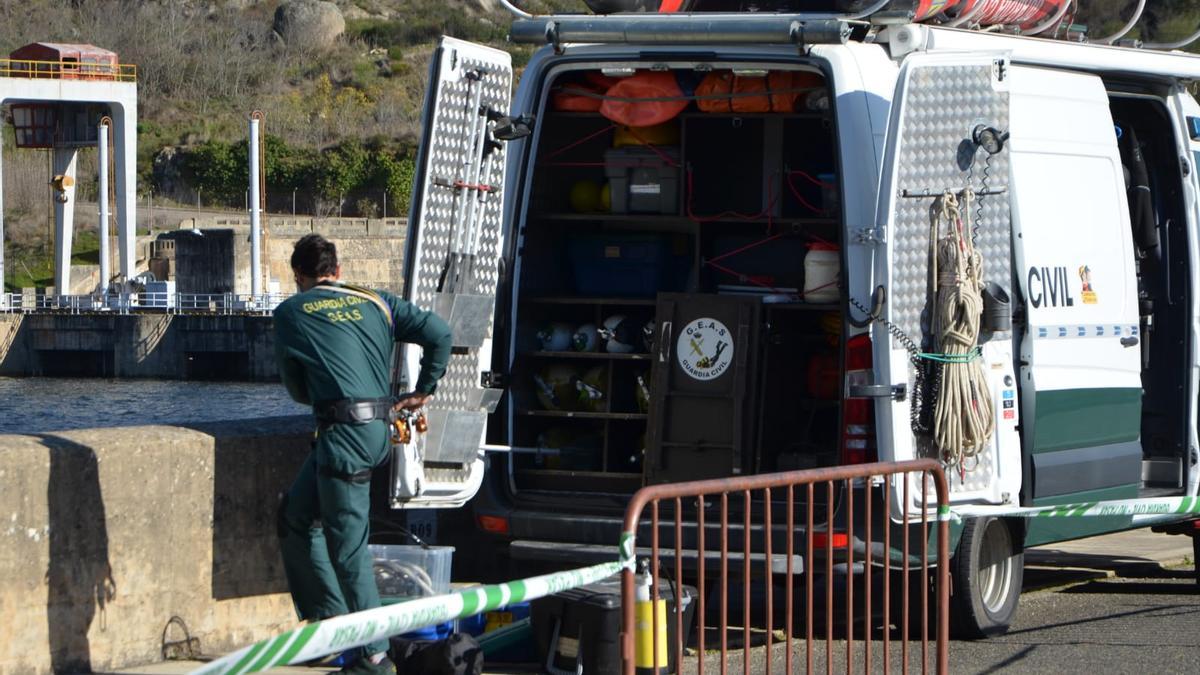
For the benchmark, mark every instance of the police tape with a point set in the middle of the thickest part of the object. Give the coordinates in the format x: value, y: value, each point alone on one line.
x: 1142, y: 510
x: 348, y: 631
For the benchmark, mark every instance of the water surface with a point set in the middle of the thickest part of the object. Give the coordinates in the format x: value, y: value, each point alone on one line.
x: 39, y: 404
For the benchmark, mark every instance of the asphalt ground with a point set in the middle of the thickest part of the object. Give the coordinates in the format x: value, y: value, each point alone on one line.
x: 1123, y: 603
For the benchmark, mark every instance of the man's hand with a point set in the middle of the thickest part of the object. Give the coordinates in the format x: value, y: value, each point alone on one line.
x: 412, y: 401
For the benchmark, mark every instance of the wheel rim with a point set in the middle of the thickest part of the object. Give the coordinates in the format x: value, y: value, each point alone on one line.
x: 995, y: 566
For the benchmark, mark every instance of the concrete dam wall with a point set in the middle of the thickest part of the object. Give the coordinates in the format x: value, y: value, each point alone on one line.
x: 167, y: 346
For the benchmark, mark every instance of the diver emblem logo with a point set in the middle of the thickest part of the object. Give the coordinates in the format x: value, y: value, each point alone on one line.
x: 1085, y: 277
x: 705, y: 349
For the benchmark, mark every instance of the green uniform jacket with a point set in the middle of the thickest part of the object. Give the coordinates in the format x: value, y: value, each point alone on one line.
x: 335, y: 344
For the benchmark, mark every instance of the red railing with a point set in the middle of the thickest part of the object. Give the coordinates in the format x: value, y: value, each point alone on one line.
x: 829, y: 544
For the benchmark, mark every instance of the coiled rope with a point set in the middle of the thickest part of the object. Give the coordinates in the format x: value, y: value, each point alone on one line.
x: 963, y: 419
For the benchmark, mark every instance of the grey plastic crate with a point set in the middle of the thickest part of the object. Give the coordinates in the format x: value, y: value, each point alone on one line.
x: 642, y: 179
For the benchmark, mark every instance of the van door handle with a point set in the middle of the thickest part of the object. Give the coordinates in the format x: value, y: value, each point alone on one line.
x: 1129, y: 341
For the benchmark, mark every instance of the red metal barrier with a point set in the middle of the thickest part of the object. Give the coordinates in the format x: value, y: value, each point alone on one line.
x: 829, y: 549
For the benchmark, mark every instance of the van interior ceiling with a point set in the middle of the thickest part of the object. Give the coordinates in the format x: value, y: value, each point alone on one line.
x: 1151, y: 162
x: 728, y: 198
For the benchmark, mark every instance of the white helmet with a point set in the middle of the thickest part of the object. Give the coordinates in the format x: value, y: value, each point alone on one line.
x: 621, y: 335
x: 585, y: 338
x: 555, y: 337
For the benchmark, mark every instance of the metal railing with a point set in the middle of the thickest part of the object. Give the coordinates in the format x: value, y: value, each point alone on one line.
x: 764, y: 522
x: 68, y: 70
x: 143, y: 302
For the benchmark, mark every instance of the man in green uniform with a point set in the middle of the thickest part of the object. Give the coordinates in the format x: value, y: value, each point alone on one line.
x: 333, y: 343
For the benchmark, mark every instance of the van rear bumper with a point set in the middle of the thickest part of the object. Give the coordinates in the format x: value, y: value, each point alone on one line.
x: 574, y: 551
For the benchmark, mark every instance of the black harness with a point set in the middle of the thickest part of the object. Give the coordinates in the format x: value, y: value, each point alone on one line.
x: 352, y: 410
x: 355, y: 411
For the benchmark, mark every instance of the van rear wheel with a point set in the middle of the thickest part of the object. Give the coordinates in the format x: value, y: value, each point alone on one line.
x: 986, y: 574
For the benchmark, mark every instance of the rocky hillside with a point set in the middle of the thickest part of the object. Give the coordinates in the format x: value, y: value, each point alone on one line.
x: 341, y: 85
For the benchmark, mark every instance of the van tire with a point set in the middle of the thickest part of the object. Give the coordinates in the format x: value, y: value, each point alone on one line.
x: 986, y: 575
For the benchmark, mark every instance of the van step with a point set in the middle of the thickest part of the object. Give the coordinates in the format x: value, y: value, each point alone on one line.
x: 1162, y: 472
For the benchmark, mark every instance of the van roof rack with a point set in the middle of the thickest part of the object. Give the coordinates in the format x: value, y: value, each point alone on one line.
x: 794, y: 28
x: 683, y: 29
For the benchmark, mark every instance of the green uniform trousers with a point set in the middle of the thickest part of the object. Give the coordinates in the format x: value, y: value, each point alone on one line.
x: 324, y: 522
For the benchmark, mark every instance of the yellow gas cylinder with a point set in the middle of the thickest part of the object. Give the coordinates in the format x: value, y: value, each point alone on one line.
x: 648, y: 614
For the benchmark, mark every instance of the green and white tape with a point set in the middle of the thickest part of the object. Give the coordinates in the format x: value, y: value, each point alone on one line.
x: 1142, y: 510
x: 341, y: 633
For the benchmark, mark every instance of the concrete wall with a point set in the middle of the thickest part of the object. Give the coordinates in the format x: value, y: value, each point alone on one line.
x: 139, y: 345
x: 371, y: 250
x: 105, y: 535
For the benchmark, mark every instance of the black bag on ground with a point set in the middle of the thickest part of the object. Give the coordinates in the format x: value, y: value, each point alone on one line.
x: 458, y: 654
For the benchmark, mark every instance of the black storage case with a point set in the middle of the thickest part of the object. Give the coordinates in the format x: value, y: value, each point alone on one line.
x: 585, y: 624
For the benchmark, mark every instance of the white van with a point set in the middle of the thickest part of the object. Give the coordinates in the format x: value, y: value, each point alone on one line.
x: 749, y: 287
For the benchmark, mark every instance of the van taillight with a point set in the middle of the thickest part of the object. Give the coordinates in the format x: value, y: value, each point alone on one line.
x: 493, y: 524
x: 858, y: 414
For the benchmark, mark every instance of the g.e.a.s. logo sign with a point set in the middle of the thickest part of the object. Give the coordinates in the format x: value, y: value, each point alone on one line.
x: 705, y: 349
x: 1054, y: 286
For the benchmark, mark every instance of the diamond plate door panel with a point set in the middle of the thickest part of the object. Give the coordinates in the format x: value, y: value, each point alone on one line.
x: 941, y: 103
x: 943, y: 106
x: 453, y: 259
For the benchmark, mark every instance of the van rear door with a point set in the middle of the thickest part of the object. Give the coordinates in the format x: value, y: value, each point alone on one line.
x: 939, y: 102
x: 1080, y: 376
x: 452, y: 264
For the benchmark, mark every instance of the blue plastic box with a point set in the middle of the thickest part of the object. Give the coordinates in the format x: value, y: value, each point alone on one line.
x: 478, y: 624
x: 628, y: 265
x: 439, y: 632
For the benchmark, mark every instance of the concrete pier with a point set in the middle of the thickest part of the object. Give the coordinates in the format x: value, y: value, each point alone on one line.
x: 114, y: 541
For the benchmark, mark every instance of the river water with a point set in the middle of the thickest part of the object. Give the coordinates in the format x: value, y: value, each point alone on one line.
x: 40, y: 404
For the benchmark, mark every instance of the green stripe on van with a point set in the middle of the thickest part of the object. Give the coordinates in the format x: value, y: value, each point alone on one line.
x: 1049, y: 530
x: 1082, y: 418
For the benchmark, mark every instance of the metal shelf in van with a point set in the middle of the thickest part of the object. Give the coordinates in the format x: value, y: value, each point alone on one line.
x: 651, y: 220
x: 580, y: 114
x: 605, y: 356
x: 598, y: 482
x: 802, y: 306
x: 570, y: 414
x: 584, y: 300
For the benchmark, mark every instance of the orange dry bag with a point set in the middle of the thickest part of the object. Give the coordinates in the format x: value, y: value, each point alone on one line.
x: 644, y: 99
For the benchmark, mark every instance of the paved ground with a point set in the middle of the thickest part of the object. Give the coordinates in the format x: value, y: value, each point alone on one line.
x: 1123, y: 603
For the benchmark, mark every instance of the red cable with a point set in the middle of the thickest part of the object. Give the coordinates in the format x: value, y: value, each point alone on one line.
x: 727, y: 214
x: 577, y: 143
x: 747, y: 247
x: 741, y: 277
x: 661, y: 155
x: 796, y: 193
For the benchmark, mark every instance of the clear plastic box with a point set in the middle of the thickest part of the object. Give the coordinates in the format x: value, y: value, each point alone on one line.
x: 408, y: 571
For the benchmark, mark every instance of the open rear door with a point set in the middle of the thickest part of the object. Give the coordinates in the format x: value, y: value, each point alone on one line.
x: 452, y: 265
x: 1081, y: 387
x: 939, y: 103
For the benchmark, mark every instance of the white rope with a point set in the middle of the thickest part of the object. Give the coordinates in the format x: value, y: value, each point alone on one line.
x: 963, y: 421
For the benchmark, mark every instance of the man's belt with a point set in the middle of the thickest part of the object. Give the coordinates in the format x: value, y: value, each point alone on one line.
x: 352, y: 410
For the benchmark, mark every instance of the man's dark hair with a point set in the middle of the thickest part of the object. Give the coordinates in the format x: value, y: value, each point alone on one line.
x: 314, y: 256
